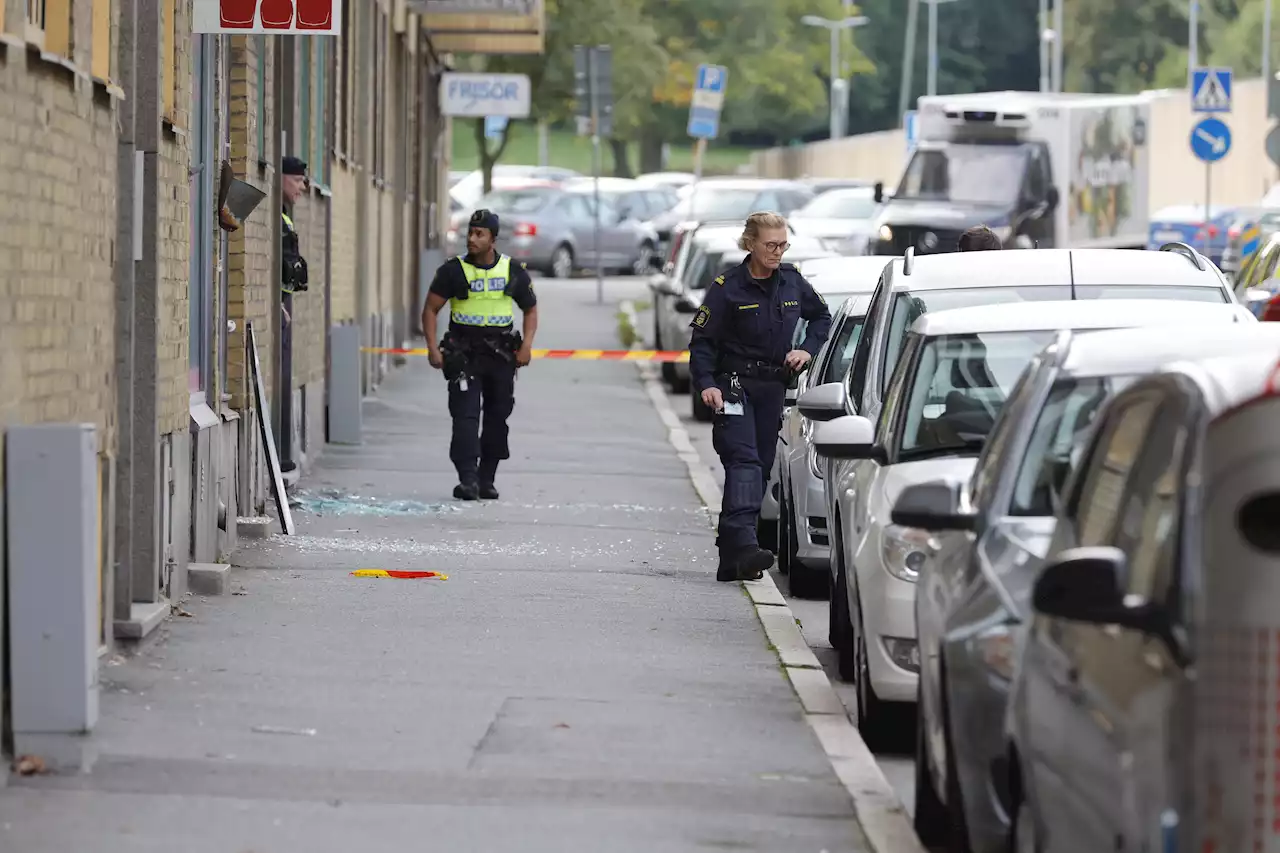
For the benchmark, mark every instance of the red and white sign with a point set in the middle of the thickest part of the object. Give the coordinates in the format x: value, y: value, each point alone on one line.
x: 270, y: 17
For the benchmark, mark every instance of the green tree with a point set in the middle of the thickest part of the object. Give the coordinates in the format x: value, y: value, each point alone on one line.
x: 777, y: 66
x: 1122, y: 47
x: 637, y: 64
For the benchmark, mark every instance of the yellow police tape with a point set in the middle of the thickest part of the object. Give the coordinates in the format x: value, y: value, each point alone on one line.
x: 680, y: 356
x: 385, y: 573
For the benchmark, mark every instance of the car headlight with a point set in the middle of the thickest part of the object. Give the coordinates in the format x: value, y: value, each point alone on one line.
x: 997, y: 648
x: 815, y: 462
x: 885, y: 234
x: 904, y: 550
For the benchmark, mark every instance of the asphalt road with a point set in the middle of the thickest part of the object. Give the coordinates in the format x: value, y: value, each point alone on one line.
x: 897, y: 761
x: 579, y: 682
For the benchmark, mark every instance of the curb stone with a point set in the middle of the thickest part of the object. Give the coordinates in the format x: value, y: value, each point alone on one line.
x: 880, y: 813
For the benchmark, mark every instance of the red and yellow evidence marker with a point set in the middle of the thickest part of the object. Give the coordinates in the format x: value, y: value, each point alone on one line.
x: 679, y: 356
x: 386, y: 573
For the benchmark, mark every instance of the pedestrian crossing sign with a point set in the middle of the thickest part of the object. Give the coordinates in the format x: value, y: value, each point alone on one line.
x: 1211, y: 90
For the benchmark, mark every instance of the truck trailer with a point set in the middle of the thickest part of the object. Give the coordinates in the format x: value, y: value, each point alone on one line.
x: 1041, y: 170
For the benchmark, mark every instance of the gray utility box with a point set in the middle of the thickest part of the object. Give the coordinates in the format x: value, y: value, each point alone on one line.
x: 52, y: 500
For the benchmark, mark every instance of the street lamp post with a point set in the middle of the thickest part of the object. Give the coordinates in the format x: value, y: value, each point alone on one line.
x: 932, y: 86
x: 837, y: 91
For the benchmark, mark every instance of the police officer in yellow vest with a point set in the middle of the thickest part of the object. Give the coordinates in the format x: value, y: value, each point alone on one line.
x: 480, y: 351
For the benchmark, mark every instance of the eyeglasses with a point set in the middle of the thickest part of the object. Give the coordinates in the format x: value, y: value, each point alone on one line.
x: 777, y: 248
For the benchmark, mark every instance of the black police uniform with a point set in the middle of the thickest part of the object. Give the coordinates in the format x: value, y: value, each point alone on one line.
x: 293, y: 279
x: 484, y: 384
x: 741, y: 336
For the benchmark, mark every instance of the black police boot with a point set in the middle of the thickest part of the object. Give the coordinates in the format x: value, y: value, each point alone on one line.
x: 466, y: 491
x: 488, y: 472
x: 747, y: 564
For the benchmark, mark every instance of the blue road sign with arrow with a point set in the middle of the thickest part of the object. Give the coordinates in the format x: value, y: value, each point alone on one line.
x: 1210, y: 140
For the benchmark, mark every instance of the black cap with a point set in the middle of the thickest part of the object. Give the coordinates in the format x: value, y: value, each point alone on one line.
x: 485, y: 219
x: 293, y: 166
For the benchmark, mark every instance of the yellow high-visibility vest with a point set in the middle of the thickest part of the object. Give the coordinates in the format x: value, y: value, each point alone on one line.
x: 486, y: 304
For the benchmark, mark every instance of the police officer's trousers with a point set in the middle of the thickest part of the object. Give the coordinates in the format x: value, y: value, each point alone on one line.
x: 480, y: 411
x: 746, y: 445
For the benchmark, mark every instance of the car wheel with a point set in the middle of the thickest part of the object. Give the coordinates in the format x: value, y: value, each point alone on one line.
x: 701, y: 411
x: 930, y: 817
x: 843, y: 641
x: 871, y: 712
x: 562, y: 262
x: 783, y: 532
x: 667, y: 368
x: 805, y: 581
x: 957, y: 823
x: 643, y: 264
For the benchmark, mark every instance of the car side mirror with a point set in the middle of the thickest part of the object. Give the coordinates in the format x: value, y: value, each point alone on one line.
x: 823, y: 403
x: 931, y: 506
x: 1052, y: 198
x: 879, y: 192
x: 1083, y: 585
x: 848, y: 437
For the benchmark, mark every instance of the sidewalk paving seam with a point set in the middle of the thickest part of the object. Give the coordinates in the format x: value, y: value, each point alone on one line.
x: 881, y: 814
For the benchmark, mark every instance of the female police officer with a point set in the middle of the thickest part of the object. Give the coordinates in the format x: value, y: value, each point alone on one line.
x: 739, y: 363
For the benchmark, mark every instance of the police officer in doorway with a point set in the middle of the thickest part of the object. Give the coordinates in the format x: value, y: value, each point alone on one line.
x: 293, y: 280
x: 480, y: 351
x: 740, y: 359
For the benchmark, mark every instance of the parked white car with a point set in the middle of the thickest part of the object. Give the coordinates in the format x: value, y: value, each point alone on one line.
x: 956, y: 370
x: 795, y: 494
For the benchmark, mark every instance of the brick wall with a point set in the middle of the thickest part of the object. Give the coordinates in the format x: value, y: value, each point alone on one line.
x: 343, y: 249
x: 251, y: 274
x: 57, y: 239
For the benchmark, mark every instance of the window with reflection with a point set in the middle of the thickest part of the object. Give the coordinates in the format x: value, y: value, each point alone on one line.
x: 960, y: 385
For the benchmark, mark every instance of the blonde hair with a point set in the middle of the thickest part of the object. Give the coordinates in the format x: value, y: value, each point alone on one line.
x: 756, y: 222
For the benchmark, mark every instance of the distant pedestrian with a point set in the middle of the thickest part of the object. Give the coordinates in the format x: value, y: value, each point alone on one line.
x: 481, y: 351
x: 979, y: 238
x: 739, y: 357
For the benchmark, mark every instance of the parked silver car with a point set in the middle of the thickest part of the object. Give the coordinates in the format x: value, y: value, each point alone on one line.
x: 972, y: 597
x: 797, y: 487
x: 1142, y: 711
x: 842, y: 219
x: 468, y: 189
x: 909, y: 288
x: 730, y: 199
x: 552, y: 230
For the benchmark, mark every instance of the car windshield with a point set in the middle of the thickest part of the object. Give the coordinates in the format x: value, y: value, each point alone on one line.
x: 967, y: 174
x: 515, y: 201
x: 908, y: 306
x: 709, y: 203
x: 839, y: 205
x: 960, y: 384
x: 1148, y: 291
x: 1059, y: 430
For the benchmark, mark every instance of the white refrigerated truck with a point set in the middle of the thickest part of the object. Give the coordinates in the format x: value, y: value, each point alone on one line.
x: 1045, y: 170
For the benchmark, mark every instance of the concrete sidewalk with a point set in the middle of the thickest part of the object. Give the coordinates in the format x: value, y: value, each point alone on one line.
x: 579, y: 683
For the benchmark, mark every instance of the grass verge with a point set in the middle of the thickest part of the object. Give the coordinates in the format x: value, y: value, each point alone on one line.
x: 569, y: 151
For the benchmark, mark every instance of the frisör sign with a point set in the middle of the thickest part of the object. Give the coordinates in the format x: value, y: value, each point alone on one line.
x: 243, y: 17
x: 482, y: 95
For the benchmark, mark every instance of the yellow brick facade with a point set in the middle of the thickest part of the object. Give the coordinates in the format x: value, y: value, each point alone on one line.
x: 105, y: 173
